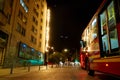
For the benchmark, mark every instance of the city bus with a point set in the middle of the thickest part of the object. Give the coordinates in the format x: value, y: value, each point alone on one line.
x: 100, y: 40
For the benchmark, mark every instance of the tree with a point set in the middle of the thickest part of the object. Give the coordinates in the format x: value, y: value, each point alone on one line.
x: 56, y: 57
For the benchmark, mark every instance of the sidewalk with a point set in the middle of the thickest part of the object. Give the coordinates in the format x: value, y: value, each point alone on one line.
x: 21, y: 70
x: 24, y: 70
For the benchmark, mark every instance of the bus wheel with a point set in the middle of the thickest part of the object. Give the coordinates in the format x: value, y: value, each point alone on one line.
x: 91, y: 72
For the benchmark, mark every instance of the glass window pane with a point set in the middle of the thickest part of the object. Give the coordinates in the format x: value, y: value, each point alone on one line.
x: 105, y: 43
x: 113, y: 39
x: 112, y: 26
x: 103, y: 20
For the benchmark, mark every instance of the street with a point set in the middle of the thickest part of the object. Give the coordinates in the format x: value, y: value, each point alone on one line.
x: 58, y: 73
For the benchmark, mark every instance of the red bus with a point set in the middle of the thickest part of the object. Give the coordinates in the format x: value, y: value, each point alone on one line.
x: 100, y: 41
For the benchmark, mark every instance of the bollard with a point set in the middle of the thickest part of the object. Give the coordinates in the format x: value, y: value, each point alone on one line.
x: 11, y: 69
x: 29, y: 67
x: 52, y: 66
x: 46, y: 67
x: 39, y: 67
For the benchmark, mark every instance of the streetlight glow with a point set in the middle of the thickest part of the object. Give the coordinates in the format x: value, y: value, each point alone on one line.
x: 65, y: 50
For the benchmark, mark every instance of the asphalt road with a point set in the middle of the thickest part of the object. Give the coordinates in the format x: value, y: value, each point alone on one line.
x: 66, y: 73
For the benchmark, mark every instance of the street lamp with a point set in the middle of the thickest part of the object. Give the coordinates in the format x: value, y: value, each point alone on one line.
x: 52, y: 48
x: 65, y: 50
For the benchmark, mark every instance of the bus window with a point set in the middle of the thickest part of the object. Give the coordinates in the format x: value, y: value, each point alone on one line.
x: 104, y: 32
x: 82, y: 43
x: 103, y: 20
x: 109, y: 34
x: 112, y: 26
x: 94, y: 28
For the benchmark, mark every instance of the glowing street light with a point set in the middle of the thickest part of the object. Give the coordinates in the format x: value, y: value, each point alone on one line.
x: 65, y: 50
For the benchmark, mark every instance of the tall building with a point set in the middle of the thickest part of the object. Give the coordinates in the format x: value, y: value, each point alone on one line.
x: 22, y: 30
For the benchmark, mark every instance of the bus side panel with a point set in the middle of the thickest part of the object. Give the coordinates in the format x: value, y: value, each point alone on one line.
x: 106, y: 67
x: 82, y: 60
x: 118, y: 30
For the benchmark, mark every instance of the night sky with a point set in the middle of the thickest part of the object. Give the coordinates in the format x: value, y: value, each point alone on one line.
x: 68, y: 20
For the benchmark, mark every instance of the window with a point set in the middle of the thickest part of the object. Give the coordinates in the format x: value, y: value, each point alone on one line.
x: 34, y: 30
x: 3, y: 39
x: 20, y: 14
x: 23, y: 32
x: 109, y: 34
x: 40, y: 44
x: 1, y: 5
x: 40, y: 27
x: 40, y: 36
x: 94, y: 28
x: 35, y: 11
x: 103, y: 20
x: 33, y: 39
x: 42, y: 13
x: 94, y: 23
x: 20, y: 29
x: 112, y: 26
x: 35, y: 21
x: 104, y: 32
x: 24, y: 19
x: 41, y: 20
x: 37, y: 6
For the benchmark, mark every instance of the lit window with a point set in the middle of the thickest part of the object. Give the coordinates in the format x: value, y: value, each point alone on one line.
x: 24, y: 19
x: 94, y: 22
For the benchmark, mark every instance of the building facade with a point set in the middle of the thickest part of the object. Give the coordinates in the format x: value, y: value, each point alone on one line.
x: 22, y: 23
